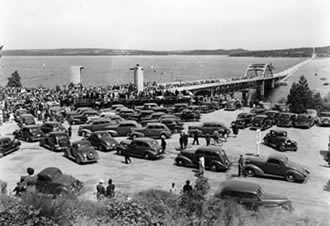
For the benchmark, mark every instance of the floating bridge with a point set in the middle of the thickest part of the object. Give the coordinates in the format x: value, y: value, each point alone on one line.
x: 257, y: 76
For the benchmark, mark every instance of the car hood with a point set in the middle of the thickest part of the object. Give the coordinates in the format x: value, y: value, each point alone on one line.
x: 274, y: 197
x: 109, y: 141
x: 86, y: 150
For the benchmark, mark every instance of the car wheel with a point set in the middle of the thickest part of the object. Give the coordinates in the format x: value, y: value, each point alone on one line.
x: 29, y: 139
x: 281, y: 148
x: 119, y: 151
x: 103, y: 148
x: 266, y: 141
x: 162, y: 136
x: 146, y: 156
x: 290, y: 177
x: 83, y: 134
x: 250, y: 172
x: 214, y: 168
x: 134, y: 136
x: 73, y: 123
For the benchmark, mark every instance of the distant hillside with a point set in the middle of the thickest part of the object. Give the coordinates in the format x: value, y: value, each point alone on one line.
x: 296, y: 52
x: 113, y: 52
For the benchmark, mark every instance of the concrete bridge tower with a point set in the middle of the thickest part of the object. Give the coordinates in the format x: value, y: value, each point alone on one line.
x: 138, y: 77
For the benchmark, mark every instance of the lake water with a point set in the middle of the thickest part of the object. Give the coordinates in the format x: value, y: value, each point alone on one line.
x: 49, y: 71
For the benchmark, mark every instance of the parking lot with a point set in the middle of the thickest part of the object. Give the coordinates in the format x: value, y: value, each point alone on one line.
x: 159, y: 174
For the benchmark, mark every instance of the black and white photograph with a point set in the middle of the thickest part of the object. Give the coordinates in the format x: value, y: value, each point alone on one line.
x: 164, y: 112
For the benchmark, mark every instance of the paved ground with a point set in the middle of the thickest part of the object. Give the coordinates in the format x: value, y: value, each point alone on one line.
x: 142, y: 174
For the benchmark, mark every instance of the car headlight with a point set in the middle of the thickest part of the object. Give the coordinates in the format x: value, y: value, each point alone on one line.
x: 85, y: 155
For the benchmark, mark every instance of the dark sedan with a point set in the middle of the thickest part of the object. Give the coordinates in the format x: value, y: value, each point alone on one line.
x: 102, y: 141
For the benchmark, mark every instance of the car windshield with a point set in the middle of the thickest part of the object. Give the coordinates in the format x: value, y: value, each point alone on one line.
x: 285, y: 116
x: 301, y: 118
x: 100, y: 135
x: 34, y: 130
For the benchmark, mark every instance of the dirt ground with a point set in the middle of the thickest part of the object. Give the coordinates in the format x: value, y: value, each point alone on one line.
x: 308, y: 198
x: 143, y: 174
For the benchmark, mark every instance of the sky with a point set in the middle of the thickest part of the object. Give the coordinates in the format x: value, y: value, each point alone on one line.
x: 164, y: 24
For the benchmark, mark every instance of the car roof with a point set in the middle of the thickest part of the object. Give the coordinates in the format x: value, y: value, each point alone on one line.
x: 261, y: 116
x: 145, y: 139
x: 81, y: 142
x: 155, y: 123
x: 4, y: 138
x: 277, y: 156
x: 50, y: 171
x: 128, y: 121
x: 210, y: 148
x: 57, y: 133
x: 31, y: 126
x: 279, y: 131
x: 240, y: 186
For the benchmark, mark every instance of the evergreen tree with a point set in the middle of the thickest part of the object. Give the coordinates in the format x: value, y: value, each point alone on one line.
x: 300, y: 96
x: 14, y: 80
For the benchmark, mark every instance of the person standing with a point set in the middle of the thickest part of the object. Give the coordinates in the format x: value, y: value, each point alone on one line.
x: 187, y: 188
x: 235, y: 129
x: 241, y: 163
x: 195, y: 134
x: 70, y: 131
x: 110, y: 191
x: 202, y: 165
x: 207, y: 139
x: 173, y: 188
x: 181, y: 140
x: 127, y: 157
x: 163, y: 143
x: 185, y: 140
x: 100, y: 190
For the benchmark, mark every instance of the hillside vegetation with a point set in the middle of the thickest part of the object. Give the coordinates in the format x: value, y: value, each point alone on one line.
x: 150, y: 207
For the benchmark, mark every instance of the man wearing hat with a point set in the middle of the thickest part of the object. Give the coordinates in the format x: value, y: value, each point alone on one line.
x: 100, y: 190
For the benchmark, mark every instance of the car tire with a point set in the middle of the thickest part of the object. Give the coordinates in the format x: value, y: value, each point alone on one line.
x: 119, y: 151
x: 162, y: 136
x: 83, y: 134
x: 103, y: 148
x: 146, y: 156
x: 73, y: 123
x: 290, y: 177
x: 281, y: 148
x: 250, y: 172
x: 134, y: 136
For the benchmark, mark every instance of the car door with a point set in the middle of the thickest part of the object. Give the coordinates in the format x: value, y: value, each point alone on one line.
x: 273, y: 167
x: 149, y: 130
x: 134, y: 148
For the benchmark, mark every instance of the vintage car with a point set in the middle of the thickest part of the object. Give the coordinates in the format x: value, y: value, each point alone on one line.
x: 52, y: 126
x: 154, y: 117
x: 81, y: 152
x: 18, y: 112
x: 324, y: 119
x: 55, y: 141
x: 261, y: 122
x: 52, y: 182
x: 25, y: 120
x: 78, y: 111
x: 244, y: 120
x: 209, y: 128
x: 279, y: 140
x: 188, y: 115
x: 215, y: 158
x: 140, y: 115
x: 83, y: 117
x: 143, y: 147
x: 178, y: 107
x: 113, y: 118
x: 126, y: 113
x: 232, y: 105
x: 30, y: 133
x: 313, y: 113
x: 273, y: 115
x: 154, y: 130
x: 258, y: 111
x: 102, y: 141
x: 95, y: 125
x: 124, y: 127
x: 304, y: 121
x: 174, y: 125
x: 286, y: 119
x: 8, y: 145
x: 275, y: 165
x: 252, y: 196
x: 149, y: 106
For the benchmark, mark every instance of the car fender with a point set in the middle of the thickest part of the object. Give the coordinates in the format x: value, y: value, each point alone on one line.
x: 297, y: 174
x: 257, y: 170
x: 218, y: 164
x: 186, y: 160
x: 138, y: 134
